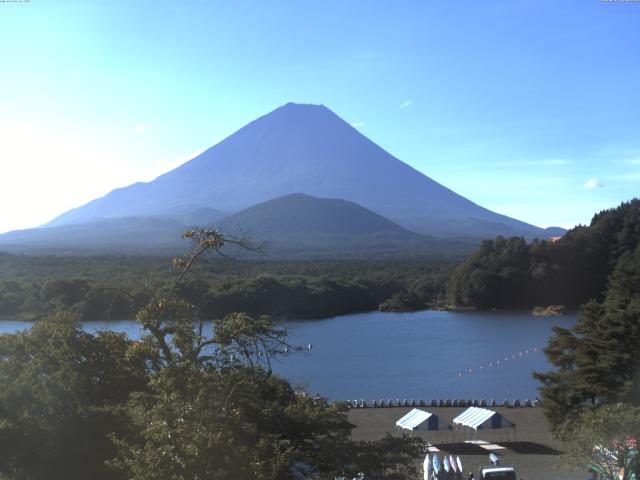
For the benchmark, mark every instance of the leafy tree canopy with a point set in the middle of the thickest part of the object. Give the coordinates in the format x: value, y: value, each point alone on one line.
x: 510, y: 273
x: 187, y: 401
x: 605, y: 438
x: 63, y: 391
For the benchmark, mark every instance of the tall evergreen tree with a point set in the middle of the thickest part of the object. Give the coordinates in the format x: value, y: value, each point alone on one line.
x: 598, y: 360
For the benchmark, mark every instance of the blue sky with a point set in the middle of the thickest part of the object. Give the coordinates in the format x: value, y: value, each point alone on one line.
x: 530, y: 108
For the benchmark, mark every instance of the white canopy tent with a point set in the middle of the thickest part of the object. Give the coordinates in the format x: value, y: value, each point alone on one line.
x: 420, y: 420
x: 475, y: 418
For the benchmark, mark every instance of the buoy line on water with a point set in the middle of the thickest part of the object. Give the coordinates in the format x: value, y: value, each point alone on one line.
x: 498, y: 363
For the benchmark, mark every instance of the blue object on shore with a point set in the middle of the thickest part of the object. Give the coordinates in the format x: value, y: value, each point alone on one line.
x: 436, y: 463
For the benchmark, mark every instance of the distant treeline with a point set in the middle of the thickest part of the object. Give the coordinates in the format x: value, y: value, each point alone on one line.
x: 512, y: 274
x: 115, y: 287
x: 502, y: 273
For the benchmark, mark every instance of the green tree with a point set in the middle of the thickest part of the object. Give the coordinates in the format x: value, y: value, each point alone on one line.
x: 62, y: 394
x: 511, y: 273
x: 214, y: 409
x: 606, y: 438
x: 598, y: 360
x: 187, y: 401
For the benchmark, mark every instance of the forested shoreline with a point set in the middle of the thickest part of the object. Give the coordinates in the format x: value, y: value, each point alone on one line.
x: 504, y: 273
x: 509, y: 273
x: 115, y: 287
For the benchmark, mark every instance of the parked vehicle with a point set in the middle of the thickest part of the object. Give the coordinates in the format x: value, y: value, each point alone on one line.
x: 494, y: 472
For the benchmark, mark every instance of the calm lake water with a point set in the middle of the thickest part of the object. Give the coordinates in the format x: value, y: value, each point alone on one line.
x: 421, y: 355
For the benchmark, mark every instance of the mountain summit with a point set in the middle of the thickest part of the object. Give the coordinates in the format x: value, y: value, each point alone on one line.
x: 308, y: 149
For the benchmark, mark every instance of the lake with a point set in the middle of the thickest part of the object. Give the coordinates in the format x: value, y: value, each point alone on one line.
x: 420, y: 355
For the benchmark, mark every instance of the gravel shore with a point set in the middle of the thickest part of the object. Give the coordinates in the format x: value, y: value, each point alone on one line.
x: 531, y: 448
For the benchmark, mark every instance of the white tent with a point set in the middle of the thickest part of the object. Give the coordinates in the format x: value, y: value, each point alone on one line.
x: 476, y: 418
x: 419, y: 419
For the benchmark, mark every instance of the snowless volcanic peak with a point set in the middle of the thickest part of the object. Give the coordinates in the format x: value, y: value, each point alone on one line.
x: 303, y: 148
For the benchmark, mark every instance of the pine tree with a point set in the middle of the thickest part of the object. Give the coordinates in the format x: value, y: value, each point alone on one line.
x: 598, y: 360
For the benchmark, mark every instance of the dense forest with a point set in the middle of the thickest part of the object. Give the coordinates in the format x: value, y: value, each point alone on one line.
x: 592, y: 396
x: 598, y: 360
x: 115, y: 287
x: 179, y: 403
x: 513, y: 274
x: 504, y: 273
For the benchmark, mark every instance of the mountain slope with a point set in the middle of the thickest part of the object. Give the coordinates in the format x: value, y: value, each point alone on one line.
x: 298, y: 213
x: 293, y: 226
x: 301, y: 225
x: 125, y: 235
x: 309, y: 149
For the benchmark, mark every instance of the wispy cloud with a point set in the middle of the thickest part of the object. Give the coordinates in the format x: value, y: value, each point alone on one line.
x: 593, y: 183
x: 357, y: 124
x: 406, y: 104
x: 140, y: 128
